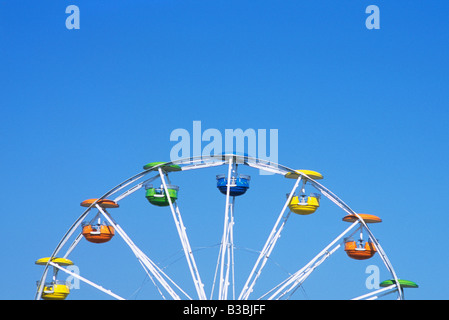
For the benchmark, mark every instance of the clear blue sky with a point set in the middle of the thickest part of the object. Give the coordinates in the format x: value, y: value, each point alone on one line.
x: 82, y: 110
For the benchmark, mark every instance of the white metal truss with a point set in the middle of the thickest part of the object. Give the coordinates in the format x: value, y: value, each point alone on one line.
x: 150, y: 267
x: 184, y: 240
x: 225, y: 261
x: 378, y: 293
x: 296, y: 279
x: 268, y: 247
x: 96, y: 286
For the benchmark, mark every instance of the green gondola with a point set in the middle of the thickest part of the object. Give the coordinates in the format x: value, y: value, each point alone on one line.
x: 402, y: 283
x: 158, y: 197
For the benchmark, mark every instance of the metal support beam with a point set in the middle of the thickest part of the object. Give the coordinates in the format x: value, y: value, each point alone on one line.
x: 227, y: 243
x: 296, y: 279
x: 73, y: 274
x: 149, y: 266
x: 268, y: 247
x: 184, y: 241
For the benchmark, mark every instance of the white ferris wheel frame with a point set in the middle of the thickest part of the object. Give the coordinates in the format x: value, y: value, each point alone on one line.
x: 225, y: 261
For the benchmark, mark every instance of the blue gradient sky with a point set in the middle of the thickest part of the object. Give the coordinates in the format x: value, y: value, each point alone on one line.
x: 82, y: 110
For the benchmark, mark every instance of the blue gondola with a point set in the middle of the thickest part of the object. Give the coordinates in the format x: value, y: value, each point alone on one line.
x: 238, y: 185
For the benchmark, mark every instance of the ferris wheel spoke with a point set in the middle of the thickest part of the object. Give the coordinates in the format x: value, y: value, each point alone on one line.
x: 296, y: 279
x: 184, y: 240
x: 149, y: 265
x: 73, y: 274
x: 226, y: 251
x: 231, y: 249
x: 268, y: 247
x: 306, y: 273
x: 375, y: 294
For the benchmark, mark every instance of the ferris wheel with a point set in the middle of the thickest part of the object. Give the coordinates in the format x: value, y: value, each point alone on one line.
x: 97, y: 224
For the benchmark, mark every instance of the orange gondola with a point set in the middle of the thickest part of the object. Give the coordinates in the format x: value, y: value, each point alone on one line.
x: 98, y: 233
x: 360, y: 251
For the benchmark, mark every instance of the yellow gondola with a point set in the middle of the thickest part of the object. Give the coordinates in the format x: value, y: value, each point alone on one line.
x: 304, y: 205
x: 56, y: 290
